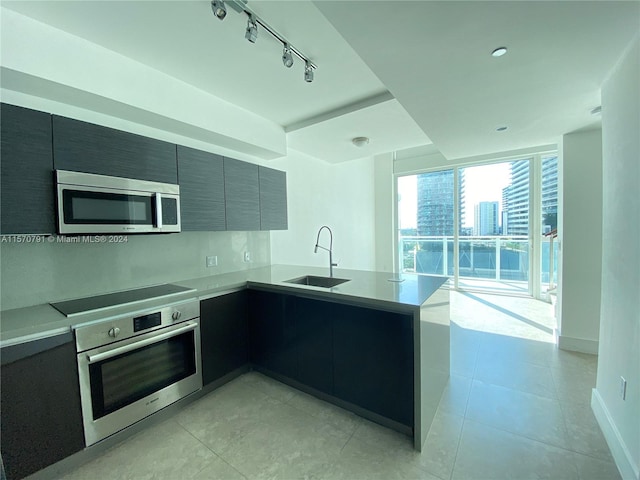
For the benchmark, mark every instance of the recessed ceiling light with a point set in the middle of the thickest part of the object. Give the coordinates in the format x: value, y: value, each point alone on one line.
x: 501, y: 129
x: 498, y: 52
x: 360, y: 141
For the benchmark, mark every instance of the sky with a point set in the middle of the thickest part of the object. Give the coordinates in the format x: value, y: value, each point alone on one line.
x: 483, y: 183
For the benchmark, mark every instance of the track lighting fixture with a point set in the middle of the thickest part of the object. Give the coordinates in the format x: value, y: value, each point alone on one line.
x: 287, y: 57
x: 308, y: 72
x: 252, y: 29
x: 219, y: 9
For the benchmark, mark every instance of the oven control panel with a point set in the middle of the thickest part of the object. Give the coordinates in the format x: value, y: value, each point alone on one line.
x: 145, y: 322
x: 121, y: 327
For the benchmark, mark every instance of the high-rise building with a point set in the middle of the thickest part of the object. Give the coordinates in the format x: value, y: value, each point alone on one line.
x: 549, y: 193
x: 505, y: 210
x: 515, y: 197
x: 435, y: 203
x: 485, y: 221
x: 517, y: 204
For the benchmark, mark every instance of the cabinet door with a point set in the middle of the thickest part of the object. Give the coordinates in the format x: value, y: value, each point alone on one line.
x: 84, y: 147
x: 272, y: 333
x: 40, y: 410
x: 273, y: 199
x: 27, y: 183
x: 242, y: 197
x: 373, y: 361
x: 201, y: 179
x: 224, y: 335
x: 314, y: 319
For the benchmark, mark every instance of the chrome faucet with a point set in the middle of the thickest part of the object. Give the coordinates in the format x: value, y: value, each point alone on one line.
x: 315, y: 250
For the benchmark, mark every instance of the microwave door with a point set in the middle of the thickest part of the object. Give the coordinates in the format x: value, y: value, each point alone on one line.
x: 100, y: 210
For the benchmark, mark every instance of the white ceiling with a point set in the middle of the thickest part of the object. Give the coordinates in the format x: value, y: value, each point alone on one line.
x: 433, y: 57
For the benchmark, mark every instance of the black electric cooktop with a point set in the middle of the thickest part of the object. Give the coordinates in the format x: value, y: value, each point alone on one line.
x: 99, y: 302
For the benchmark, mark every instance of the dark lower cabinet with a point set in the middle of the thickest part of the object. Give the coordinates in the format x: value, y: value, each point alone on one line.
x: 273, y: 333
x: 40, y: 410
x: 224, y: 335
x: 314, y: 322
x: 373, y: 361
x: 27, y: 187
x: 356, y: 354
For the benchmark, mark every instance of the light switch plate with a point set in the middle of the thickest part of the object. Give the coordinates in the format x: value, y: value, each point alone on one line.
x: 212, y: 261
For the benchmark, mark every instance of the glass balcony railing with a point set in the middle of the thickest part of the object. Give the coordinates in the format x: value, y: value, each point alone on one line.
x: 492, y: 258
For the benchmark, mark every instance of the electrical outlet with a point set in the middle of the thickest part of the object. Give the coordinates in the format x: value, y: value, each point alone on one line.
x: 212, y: 261
x: 623, y: 388
x: 247, y: 256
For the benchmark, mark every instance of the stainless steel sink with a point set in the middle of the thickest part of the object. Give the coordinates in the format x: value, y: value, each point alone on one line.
x: 326, y: 282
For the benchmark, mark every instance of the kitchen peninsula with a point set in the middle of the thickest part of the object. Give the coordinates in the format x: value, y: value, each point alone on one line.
x: 377, y: 344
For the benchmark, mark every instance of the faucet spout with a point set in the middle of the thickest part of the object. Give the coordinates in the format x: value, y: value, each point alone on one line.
x: 330, y: 249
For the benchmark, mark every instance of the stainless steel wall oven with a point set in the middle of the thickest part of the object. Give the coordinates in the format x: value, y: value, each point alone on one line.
x: 133, y: 366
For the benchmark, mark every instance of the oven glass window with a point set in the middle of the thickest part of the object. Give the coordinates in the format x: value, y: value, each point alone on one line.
x: 81, y: 207
x: 122, y: 380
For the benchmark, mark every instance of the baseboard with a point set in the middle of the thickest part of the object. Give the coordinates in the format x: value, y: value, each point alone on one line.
x: 578, y: 344
x: 622, y: 457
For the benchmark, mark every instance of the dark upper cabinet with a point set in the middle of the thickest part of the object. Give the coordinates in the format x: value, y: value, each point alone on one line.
x: 273, y: 199
x: 201, y: 179
x: 85, y: 147
x: 224, y: 335
x: 373, y: 361
x: 242, y: 195
x: 27, y: 184
x: 40, y: 413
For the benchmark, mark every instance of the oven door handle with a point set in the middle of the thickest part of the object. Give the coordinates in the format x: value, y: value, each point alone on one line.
x: 142, y: 343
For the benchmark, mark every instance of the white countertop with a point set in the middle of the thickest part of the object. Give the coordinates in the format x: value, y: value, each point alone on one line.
x: 374, y: 289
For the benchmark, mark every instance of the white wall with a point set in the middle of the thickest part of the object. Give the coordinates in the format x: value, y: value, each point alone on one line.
x: 385, y: 208
x: 338, y: 195
x: 580, y: 236
x: 619, y: 353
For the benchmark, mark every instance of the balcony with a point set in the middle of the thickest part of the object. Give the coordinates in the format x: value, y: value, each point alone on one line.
x: 490, y: 263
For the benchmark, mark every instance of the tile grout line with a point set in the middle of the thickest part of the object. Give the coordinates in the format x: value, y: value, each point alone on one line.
x: 210, y: 449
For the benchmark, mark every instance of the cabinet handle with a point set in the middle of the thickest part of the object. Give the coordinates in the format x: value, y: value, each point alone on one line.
x: 142, y: 343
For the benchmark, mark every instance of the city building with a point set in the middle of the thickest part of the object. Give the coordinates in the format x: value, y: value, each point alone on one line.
x: 485, y: 220
x: 517, y: 202
x: 435, y: 203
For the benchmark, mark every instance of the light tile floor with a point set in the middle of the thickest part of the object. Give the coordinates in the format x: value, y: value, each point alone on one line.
x: 515, y: 407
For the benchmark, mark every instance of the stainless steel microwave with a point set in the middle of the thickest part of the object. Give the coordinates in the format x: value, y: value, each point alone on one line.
x: 89, y: 203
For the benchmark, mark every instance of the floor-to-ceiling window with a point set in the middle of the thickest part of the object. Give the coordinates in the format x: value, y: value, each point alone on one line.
x: 474, y: 223
x: 494, y: 237
x: 549, y: 210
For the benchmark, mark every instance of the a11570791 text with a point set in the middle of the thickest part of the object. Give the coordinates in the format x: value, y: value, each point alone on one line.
x: 30, y: 239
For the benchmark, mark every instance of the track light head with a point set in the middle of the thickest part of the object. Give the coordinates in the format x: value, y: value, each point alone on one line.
x: 219, y: 9
x: 287, y: 57
x: 308, y: 72
x: 252, y: 29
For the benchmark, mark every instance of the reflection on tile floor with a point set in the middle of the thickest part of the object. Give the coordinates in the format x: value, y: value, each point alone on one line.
x: 515, y: 408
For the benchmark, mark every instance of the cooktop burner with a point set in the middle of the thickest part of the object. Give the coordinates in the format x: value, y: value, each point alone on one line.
x: 99, y: 302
